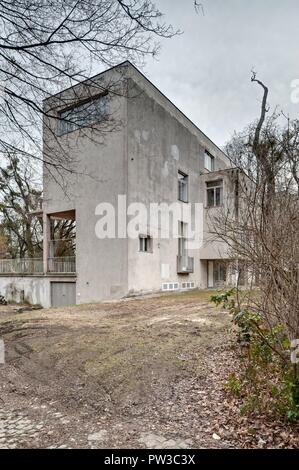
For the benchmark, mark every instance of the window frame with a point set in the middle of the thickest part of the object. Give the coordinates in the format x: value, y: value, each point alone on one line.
x: 183, y: 181
x: 214, y: 186
x: 66, y: 125
x: 145, y: 244
x: 220, y: 272
x: 182, y: 239
x: 212, y: 161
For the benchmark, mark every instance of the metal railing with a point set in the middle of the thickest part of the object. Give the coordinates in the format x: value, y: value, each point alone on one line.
x: 21, y: 266
x: 64, y: 264
x: 185, y: 265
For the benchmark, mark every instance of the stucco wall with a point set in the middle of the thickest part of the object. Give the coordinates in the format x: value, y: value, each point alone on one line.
x: 161, y: 141
x: 212, y: 248
x: 32, y: 289
x: 140, y: 159
x: 99, y: 176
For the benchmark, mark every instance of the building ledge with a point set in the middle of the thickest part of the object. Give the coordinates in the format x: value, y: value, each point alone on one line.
x: 40, y: 275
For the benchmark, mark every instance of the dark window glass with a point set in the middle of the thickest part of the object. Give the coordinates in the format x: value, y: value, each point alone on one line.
x: 183, y: 187
x: 82, y: 115
x: 214, y: 193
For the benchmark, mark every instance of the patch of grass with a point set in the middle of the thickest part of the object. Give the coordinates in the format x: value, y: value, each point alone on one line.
x: 234, y: 385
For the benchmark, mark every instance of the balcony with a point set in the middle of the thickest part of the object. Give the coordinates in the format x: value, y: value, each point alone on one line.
x: 21, y: 266
x: 56, y: 265
x: 61, y: 256
x: 62, y: 265
x: 185, y: 265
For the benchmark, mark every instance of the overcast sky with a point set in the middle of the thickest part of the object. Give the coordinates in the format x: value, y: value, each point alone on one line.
x: 206, y: 71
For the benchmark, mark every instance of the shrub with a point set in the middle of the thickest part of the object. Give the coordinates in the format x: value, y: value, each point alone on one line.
x: 267, y: 380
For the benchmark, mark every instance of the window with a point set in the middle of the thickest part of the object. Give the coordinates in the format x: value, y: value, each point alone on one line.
x: 183, y: 186
x: 209, y: 162
x: 185, y: 264
x: 145, y: 244
x: 83, y: 115
x: 219, y: 273
x: 183, y: 240
x: 214, y: 193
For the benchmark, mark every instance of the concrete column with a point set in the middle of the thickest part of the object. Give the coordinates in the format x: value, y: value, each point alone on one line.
x: 46, y: 240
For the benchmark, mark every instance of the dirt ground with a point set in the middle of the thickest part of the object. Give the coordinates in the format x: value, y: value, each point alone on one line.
x: 145, y: 372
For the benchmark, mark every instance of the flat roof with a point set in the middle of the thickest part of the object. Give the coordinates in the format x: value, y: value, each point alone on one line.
x: 128, y: 63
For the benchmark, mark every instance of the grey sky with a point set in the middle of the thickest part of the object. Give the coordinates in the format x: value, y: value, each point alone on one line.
x: 206, y: 71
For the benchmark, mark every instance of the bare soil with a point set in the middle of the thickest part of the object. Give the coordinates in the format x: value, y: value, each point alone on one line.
x: 123, y: 374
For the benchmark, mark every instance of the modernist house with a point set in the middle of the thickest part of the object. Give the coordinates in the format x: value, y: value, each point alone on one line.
x: 123, y: 137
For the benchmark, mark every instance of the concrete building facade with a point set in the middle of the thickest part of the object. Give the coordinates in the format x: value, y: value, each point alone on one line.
x: 145, y: 152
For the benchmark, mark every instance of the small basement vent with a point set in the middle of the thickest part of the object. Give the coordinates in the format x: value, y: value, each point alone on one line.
x: 169, y: 286
x: 188, y: 285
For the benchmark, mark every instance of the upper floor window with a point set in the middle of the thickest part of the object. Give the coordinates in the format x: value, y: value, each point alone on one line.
x: 83, y: 115
x: 209, y: 162
x: 145, y: 244
x: 214, y: 193
x: 182, y: 187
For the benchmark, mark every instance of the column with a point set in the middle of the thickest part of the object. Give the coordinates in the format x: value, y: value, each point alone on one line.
x: 46, y: 240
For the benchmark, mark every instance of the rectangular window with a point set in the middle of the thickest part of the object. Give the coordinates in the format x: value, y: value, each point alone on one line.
x: 219, y: 272
x: 182, y: 187
x: 214, y: 193
x: 183, y: 240
x: 145, y: 244
x: 82, y: 115
x: 209, y: 162
x: 185, y: 264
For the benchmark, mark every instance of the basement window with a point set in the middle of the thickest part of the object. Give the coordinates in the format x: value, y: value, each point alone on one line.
x: 85, y: 114
x: 214, y: 193
x: 145, y: 244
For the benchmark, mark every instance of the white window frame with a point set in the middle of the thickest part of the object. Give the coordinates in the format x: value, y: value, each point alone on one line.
x: 183, y: 239
x: 213, y: 186
x: 209, y: 161
x: 183, y: 183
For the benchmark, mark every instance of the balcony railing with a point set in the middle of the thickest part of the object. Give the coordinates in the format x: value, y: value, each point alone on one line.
x: 57, y: 265
x: 185, y: 265
x: 21, y: 266
x: 65, y: 264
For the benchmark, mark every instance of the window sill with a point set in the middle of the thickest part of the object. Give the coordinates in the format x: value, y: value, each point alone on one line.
x: 181, y: 200
x: 214, y: 207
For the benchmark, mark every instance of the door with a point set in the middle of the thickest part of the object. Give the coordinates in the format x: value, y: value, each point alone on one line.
x: 219, y: 274
x: 210, y: 274
x: 63, y: 293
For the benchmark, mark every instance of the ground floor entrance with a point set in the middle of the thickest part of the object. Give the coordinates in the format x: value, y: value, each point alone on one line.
x: 63, y: 293
x: 217, y: 273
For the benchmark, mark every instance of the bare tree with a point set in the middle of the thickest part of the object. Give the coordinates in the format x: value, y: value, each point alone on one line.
x: 46, y: 45
x: 20, y: 194
x: 199, y: 8
x: 263, y: 235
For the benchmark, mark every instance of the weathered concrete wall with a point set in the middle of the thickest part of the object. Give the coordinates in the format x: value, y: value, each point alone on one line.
x: 139, y: 159
x: 32, y: 289
x: 162, y: 141
x: 100, y: 175
x: 214, y: 249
